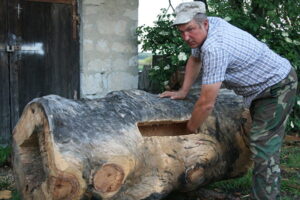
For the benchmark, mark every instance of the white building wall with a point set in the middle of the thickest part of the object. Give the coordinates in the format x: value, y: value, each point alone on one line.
x: 108, y: 46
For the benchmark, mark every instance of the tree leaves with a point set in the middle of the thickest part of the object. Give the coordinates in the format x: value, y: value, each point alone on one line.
x: 163, y: 39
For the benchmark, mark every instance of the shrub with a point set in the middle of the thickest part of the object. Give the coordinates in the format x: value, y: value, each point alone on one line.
x: 163, y: 39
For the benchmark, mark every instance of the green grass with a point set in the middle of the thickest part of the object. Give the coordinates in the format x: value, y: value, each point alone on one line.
x: 290, y: 183
x: 15, y: 196
x: 241, y: 185
x: 290, y: 157
x: 4, y: 154
x: 290, y: 177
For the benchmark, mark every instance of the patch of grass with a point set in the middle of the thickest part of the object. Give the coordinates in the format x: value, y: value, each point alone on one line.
x: 290, y: 167
x: 241, y: 185
x: 16, y: 195
x: 290, y: 177
x: 5, y: 153
x: 291, y: 186
x: 290, y: 157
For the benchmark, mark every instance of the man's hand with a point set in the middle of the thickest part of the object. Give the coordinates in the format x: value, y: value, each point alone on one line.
x: 173, y: 95
x: 190, y: 128
x: 191, y: 72
x: 203, y: 106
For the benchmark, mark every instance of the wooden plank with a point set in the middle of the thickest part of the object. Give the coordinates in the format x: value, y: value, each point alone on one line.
x: 75, y: 18
x: 5, y: 129
x: 64, y: 74
x: 14, y: 31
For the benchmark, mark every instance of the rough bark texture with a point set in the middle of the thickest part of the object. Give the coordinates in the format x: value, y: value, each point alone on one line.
x: 129, y: 145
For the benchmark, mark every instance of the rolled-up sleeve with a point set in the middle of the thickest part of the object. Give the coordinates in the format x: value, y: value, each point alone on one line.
x: 196, y: 52
x: 214, y: 65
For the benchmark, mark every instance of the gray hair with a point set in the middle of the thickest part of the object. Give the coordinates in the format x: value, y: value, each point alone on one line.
x: 200, y: 18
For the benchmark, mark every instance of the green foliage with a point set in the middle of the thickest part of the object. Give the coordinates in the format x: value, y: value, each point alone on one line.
x: 163, y: 39
x: 4, y: 154
x: 274, y: 22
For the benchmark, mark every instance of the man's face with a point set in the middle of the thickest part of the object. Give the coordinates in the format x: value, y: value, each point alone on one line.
x: 193, y: 34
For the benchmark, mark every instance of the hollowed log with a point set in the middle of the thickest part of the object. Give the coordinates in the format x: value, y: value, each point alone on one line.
x: 128, y: 145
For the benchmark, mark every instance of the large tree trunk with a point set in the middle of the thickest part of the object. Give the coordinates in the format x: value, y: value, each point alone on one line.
x: 129, y: 145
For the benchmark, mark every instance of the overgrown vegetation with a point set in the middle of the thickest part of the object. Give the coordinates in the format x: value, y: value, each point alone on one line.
x: 5, y: 153
x: 163, y: 39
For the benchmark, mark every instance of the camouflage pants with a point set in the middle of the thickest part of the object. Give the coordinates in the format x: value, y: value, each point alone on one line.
x: 269, y: 114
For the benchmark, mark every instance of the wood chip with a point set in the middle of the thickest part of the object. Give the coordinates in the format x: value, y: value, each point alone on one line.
x: 5, y: 194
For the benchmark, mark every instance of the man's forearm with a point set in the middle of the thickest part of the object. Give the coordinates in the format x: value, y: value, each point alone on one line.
x: 191, y: 73
x: 204, y: 105
x: 199, y: 115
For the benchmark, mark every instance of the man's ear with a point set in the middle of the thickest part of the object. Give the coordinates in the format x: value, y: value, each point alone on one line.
x: 205, y: 24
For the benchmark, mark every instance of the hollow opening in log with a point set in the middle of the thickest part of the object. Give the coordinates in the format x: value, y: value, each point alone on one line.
x: 32, y: 160
x: 163, y: 128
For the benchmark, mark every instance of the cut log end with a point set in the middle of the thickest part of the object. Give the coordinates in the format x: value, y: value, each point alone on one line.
x: 108, y: 179
x: 35, y: 161
x: 64, y: 187
x: 195, y: 176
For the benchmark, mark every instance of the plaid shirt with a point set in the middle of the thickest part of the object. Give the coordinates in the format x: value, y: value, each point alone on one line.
x: 234, y: 57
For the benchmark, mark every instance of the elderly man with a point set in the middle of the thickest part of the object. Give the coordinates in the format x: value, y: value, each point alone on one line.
x: 223, y: 53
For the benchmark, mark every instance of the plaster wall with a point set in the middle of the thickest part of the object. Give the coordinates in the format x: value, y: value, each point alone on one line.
x: 108, y: 46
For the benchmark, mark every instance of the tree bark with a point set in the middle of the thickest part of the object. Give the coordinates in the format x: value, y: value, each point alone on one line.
x: 128, y: 145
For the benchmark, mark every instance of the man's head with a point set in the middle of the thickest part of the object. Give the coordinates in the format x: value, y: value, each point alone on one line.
x: 192, y: 22
x: 185, y: 12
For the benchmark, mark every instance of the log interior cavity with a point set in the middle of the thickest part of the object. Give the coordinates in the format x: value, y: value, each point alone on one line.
x: 32, y: 161
x: 42, y: 173
x: 163, y: 128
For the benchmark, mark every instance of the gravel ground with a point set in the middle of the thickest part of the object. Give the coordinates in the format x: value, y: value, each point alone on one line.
x: 6, y: 178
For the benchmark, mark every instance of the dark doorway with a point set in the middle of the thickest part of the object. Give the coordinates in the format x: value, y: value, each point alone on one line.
x: 39, y: 48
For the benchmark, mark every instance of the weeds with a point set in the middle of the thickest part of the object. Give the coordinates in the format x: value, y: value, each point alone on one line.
x: 5, y: 153
x: 241, y: 185
x: 290, y: 177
